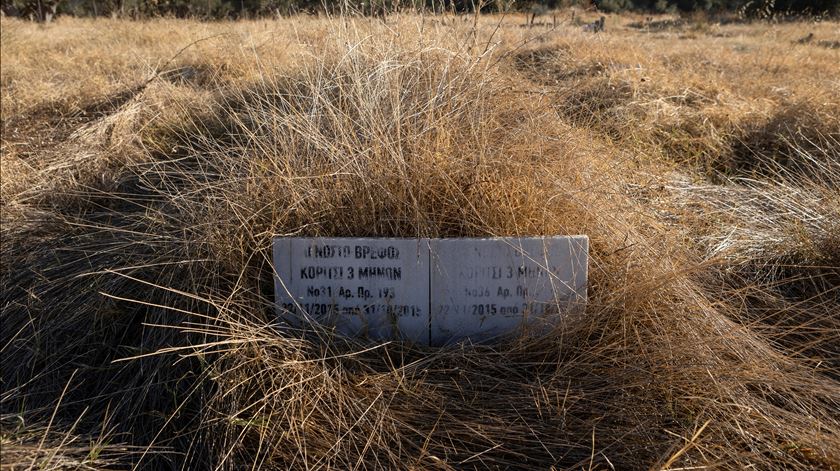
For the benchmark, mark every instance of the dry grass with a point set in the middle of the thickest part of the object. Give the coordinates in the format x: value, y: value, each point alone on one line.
x: 142, y: 183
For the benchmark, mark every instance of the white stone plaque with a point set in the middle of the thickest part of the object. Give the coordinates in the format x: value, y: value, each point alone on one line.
x: 485, y: 288
x: 370, y: 288
x: 431, y: 291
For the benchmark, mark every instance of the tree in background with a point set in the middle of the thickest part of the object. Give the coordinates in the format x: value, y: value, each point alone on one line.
x: 34, y: 10
x: 44, y: 10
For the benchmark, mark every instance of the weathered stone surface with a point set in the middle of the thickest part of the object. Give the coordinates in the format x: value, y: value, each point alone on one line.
x: 485, y: 288
x: 370, y: 288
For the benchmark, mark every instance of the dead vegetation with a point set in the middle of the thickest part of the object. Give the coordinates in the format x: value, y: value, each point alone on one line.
x: 137, y: 216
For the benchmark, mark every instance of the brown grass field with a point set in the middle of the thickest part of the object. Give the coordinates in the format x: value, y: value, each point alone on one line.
x: 146, y: 166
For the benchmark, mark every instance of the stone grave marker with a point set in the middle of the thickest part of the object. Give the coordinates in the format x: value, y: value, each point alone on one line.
x: 370, y: 288
x: 430, y: 291
x: 485, y: 288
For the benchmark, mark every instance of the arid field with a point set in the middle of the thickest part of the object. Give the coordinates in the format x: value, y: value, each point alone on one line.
x: 146, y: 166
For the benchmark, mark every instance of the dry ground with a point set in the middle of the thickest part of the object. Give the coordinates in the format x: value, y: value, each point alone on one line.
x: 146, y: 166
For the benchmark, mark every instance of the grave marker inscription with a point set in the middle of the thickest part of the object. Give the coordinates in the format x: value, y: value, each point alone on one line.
x: 374, y: 288
x: 485, y: 288
x: 430, y: 291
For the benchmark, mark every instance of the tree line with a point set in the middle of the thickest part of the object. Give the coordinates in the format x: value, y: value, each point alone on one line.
x: 45, y: 10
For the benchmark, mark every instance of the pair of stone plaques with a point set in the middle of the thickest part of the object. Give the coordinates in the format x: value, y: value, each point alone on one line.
x: 430, y: 291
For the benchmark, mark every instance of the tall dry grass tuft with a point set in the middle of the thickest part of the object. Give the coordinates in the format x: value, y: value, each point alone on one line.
x: 137, y: 278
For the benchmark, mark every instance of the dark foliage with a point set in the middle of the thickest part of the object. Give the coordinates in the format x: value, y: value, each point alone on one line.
x: 44, y: 10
